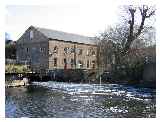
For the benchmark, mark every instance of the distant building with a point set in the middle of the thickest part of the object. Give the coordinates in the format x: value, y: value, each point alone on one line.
x: 45, y: 49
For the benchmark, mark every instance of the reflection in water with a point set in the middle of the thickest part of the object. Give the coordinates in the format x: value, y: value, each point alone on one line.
x: 57, y: 99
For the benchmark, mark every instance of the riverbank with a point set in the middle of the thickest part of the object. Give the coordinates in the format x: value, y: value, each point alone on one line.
x: 25, y: 82
x: 76, y: 76
x: 16, y: 80
x: 17, y: 83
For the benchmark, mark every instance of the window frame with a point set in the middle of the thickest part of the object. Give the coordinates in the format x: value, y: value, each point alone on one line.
x: 55, y: 62
x: 42, y: 49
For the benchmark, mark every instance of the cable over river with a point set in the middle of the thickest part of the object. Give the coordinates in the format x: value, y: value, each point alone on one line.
x: 70, y: 100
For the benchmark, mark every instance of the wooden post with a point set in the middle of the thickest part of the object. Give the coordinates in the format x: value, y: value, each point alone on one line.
x: 100, y: 80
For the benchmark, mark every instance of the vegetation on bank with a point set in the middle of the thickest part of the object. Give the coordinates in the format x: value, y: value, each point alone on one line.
x: 10, y: 51
x: 15, y: 68
x: 124, y: 49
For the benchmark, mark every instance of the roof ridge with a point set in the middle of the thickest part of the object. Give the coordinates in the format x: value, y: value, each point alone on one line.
x: 61, y: 31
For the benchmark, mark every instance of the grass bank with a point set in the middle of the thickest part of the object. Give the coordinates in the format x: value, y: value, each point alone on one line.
x: 15, y: 68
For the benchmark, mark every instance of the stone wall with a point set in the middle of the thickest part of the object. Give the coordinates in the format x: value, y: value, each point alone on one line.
x: 85, y: 56
x: 33, y: 51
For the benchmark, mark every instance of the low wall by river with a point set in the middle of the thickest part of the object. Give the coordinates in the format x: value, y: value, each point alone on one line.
x: 17, y: 83
x: 14, y: 81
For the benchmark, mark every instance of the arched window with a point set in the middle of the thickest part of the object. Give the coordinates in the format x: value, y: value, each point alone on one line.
x: 79, y: 51
x: 93, y: 64
x: 72, y: 50
x: 93, y: 53
x: 65, y: 50
x: 80, y: 64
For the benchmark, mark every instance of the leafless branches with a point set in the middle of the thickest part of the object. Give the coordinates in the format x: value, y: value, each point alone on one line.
x: 123, y: 35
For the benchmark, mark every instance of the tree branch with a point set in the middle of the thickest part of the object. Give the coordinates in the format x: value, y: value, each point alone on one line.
x: 131, y: 30
x: 150, y: 14
x: 144, y: 15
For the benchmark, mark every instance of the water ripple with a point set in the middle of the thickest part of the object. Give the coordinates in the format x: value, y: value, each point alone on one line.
x: 58, y: 99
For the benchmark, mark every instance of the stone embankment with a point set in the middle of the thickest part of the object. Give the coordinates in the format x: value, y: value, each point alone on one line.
x: 17, y: 83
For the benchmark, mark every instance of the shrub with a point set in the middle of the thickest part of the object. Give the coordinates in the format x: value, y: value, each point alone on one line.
x: 12, y: 68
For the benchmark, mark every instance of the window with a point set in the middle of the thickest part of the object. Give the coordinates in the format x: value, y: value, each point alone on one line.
x: 72, y: 63
x: 65, y: 61
x: 80, y: 64
x: 89, y: 51
x: 55, y: 62
x: 55, y: 50
x: 27, y: 49
x: 87, y: 63
x: 93, y: 64
x: 113, y: 59
x: 69, y: 50
x: 31, y: 34
x: 93, y: 53
x: 65, y: 50
x: 50, y: 53
x: 79, y: 51
x: 42, y: 49
x: 72, y: 50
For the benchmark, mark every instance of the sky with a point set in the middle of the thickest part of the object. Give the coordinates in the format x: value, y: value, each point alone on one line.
x: 74, y: 18
x: 88, y: 17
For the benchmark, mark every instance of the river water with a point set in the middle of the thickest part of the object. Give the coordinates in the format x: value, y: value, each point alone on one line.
x: 70, y: 100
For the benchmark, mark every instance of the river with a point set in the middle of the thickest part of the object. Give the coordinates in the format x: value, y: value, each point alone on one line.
x: 70, y: 100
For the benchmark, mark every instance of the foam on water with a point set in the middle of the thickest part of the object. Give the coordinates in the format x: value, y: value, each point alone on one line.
x: 97, y: 89
x: 59, y: 99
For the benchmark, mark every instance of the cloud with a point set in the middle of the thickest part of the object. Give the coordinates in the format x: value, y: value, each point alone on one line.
x: 86, y: 19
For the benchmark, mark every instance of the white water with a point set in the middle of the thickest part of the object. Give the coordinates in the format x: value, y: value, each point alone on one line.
x: 96, y: 89
x: 59, y: 99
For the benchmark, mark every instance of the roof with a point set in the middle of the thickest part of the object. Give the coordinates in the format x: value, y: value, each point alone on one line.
x: 59, y: 35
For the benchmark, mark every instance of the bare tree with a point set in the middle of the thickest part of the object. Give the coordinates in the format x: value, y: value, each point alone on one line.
x: 111, y: 44
x: 145, y: 12
x: 124, y: 35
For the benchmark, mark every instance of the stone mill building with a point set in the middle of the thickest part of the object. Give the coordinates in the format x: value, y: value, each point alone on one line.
x: 46, y: 50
